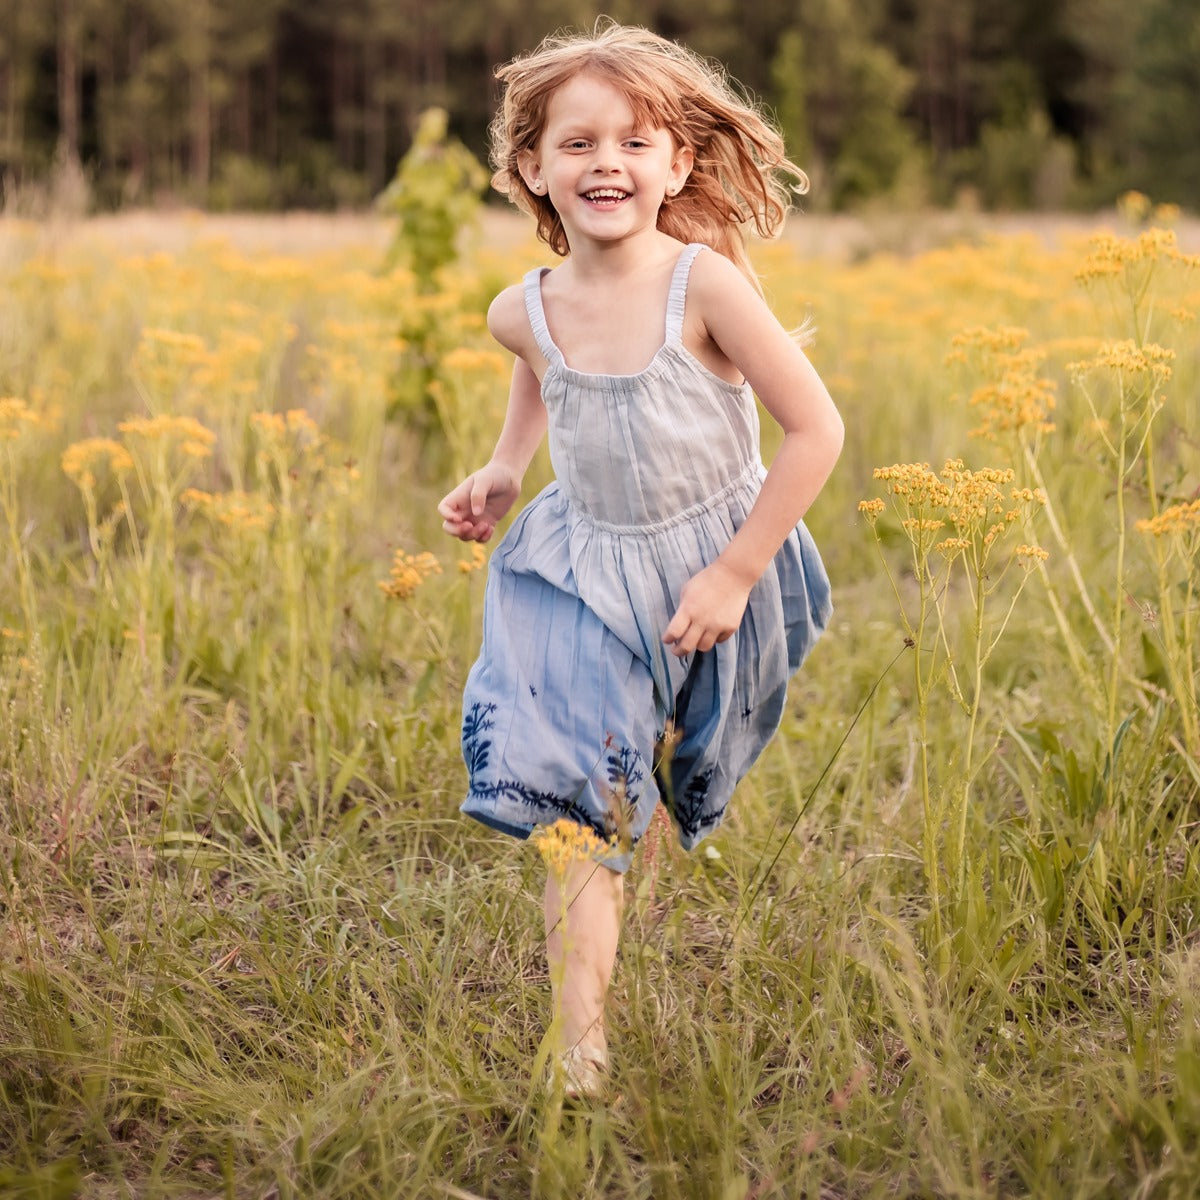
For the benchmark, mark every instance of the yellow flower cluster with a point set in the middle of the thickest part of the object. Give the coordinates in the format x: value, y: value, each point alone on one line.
x: 977, y: 505
x: 476, y: 562
x: 408, y: 572
x: 463, y: 359
x: 1179, y: 518
x: 164, y: 358
x: 188, y: 345
x: 235, y: 510
x: 1002, y: 340
x: 279, y: 425
x: 1127, y: 357
x: 1020, y: 398
x: 1015, y: 395
x: 565, y: 843
x: 1109, y: 255
x: 79, y: 458
x: 1136, y: 207
x: 15, y: 415
x: 289, y: 440
x: 194, y: 439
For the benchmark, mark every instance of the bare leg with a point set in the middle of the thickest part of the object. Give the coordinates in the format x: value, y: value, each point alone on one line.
x: 583, y: 951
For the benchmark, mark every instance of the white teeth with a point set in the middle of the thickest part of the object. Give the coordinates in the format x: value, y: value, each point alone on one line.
x: 606, y: 194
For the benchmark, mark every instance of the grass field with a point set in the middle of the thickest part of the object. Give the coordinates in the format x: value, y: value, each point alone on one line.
x: 948, y: 942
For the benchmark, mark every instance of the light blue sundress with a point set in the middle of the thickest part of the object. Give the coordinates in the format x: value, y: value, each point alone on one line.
x: 575, y: 708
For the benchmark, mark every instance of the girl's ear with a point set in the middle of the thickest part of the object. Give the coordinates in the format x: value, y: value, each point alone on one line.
x: 531, y: 172
x: 681, y: 168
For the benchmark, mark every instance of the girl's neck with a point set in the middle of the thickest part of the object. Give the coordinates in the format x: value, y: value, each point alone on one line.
x: 591, y: 262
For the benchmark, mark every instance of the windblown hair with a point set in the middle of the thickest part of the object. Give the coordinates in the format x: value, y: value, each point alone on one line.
x: 740, y: 166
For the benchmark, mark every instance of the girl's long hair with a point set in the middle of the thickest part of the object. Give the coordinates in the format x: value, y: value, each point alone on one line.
x: 740, y: 166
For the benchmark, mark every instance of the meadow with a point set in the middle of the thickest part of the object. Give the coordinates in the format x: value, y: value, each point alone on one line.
x: 947, y: 943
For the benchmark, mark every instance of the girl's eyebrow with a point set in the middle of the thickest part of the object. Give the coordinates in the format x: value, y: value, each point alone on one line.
x: 637, y: 129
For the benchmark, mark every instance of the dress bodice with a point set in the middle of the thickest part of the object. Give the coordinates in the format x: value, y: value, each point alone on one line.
x: 651, y: 448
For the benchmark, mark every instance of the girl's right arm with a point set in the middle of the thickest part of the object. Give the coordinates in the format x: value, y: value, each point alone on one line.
x: 472, y: 510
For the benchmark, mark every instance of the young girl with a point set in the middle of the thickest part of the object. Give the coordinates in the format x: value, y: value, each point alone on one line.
x: 644, y: 613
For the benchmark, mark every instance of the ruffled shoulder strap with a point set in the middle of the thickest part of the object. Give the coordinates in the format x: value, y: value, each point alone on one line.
x: 677, y: 297
x: 537, y: 314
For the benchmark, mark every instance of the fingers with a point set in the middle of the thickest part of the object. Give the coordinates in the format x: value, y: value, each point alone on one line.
x: 453, y: 505
x: 469, y: 531
x: 686, y: 638
x: 462, y: 509
x: 479, y: 495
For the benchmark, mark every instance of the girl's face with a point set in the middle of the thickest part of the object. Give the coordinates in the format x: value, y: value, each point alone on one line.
x: 605, y: 173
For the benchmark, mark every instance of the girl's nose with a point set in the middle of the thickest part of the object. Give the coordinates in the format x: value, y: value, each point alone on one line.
x: 605, y: 160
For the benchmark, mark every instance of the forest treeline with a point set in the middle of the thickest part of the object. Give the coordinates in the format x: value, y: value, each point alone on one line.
x: 224, y: 104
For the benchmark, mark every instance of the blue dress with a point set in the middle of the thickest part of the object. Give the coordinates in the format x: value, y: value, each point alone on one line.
x: 575, y: 708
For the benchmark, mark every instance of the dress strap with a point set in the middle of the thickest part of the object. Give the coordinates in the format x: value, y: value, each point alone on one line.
x: 677, y: 297
x: 537, y: 314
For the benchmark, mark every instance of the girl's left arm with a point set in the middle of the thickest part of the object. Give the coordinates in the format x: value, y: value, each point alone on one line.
x: 739, y: 322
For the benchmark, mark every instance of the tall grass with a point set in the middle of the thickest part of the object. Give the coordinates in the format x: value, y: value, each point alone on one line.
x: 248, y: 948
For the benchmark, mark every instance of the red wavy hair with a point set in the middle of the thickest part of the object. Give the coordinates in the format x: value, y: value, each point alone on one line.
x: 737, y: 180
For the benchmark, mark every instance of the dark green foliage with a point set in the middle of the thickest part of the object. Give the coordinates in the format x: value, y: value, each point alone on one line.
x: 282, y: 103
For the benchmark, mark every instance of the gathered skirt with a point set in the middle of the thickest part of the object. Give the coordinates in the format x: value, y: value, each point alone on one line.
x: 575, y: 709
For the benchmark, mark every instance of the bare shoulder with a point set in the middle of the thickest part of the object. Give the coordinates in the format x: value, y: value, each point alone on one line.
x: 715, y: 278
x: 507, y: 320
x: 721, y: 300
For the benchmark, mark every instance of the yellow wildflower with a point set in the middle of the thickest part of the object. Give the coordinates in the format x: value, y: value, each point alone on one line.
x: 1002, y: 340
x: 968, y: 501
x: 295, y: 423
x: 1179, y: 518
x: 408, y: 572
x: 235, y: 509
x: 566, y: 842
x: 1109, y: 255
x: 1133, y: 206
x: 196, y: 440
x: 477, y: 560
x: 463, y: 359
x: 1126, y: 357
x: 1015, y: 395
x: 14, y: 416
x: 79, y: 458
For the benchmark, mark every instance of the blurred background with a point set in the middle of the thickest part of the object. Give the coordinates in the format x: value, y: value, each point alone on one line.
x: 223, y: 105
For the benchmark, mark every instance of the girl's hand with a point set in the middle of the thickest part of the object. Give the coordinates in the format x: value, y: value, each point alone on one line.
x: 711, y: 606
x: 471, y: 511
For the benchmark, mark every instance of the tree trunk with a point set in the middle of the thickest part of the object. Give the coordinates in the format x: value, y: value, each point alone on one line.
x: 375, y: 80
x: 271, y: 110
x: 200, y: 103
x: 136, y: 120
x: 243, y: 121
x: 68, y: 81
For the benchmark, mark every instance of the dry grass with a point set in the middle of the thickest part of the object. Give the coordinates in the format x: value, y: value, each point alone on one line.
x: 247, y: 947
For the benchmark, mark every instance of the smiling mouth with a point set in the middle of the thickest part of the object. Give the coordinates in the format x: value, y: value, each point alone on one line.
x: 606, y: 197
